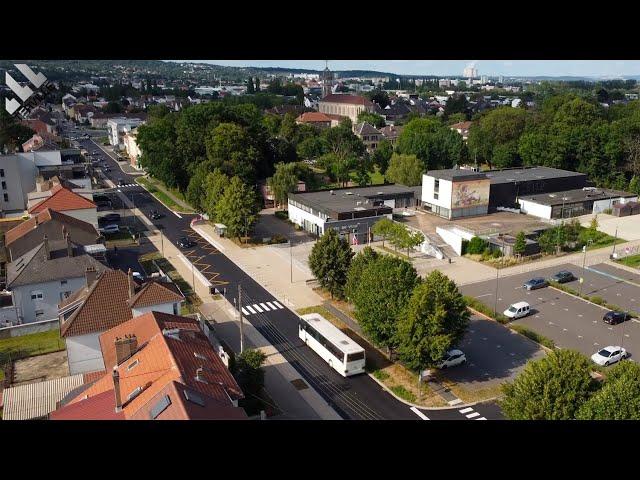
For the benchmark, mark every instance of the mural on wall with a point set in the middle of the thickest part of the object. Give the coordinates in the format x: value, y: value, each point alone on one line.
x: 470, y: 194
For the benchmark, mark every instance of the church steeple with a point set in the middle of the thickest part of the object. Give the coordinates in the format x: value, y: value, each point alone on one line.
x: 327, y: 80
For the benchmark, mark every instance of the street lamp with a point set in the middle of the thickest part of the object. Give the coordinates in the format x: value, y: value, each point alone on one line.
x: 584, y: 259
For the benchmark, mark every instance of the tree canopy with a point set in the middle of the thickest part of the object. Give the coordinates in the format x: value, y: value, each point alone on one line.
x: 329, y: 262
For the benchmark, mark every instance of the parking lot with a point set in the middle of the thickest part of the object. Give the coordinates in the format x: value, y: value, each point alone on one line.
x: 569, y: 321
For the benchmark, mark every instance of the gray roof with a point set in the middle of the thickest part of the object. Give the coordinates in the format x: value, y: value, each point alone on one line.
x: 346, y: 199
x: 576, y: 196
x: 33, y: 267
x: 507, y: 175
x: 457, y: 174
x: 364, y: 128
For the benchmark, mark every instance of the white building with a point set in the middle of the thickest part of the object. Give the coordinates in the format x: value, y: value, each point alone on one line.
x: 454, y: 193
x: 118, y: 127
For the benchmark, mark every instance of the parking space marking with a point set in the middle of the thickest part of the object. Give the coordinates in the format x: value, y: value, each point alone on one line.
x: 466, y: 410
x: 419, y: 413
x: 473, y: 415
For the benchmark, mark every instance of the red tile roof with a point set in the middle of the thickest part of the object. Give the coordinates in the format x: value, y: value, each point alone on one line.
x: 155, y: 293
x: 98, y: 407
x: 313, y: 117
x: 351, y: 99
x: 62, y: 199
x: 43, y: 216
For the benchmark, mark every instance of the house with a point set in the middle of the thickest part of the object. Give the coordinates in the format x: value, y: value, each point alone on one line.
x: 158, y: 367
x: 130, y: 141
x: 391, y: 133
x: 395, y: 111
x: 369, y: 135
x: 70, y: 203
x: 269, y: 198
x: 345, y: 105
x: 107, y: 300
x: 83, y: 113
x: 462, y: 128
x: 316, y: 119
x: 118, y: 127
x: 55, y: 225
x: 46, y: 275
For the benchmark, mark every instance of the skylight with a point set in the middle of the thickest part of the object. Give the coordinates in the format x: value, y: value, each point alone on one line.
x: 194, y: 398
x: 160, y: 407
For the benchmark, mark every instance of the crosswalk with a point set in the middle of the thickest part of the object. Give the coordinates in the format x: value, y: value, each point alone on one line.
x: 128, y: 185
x: 261, y: 307
x: 471, y: 414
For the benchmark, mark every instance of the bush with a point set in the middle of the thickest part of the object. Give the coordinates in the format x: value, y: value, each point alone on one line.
x: 282, y: 214
x: 535, y: 336
x: 597, y: 300
x: 496, y: 253
x: 277, y: 238
x: 464, y: 247
x: 478, y: 306
x: 476, y: 246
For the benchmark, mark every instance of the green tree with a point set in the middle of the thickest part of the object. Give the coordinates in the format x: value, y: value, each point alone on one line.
x: 12, y: 133
x: 435, y: 144
x: 196, y: 192
x: 405, y: 170
x: 359, y: 262
x: 456, y: 118
x: 312, y: 148
x: 434, y: 321
x: 552, y: 388
x: 250, y: 89
x: 476, y: 246
x: 494, y: 138
x: 385, y: 286
x: 237, y: 208
x: 229, y: 146
x: 214, y: 186
x: 257, y: 85
x: 329, y: 262
x: 520, y: 244
x: 382, y: 155
x: 283, y: 182
x: 248, y: 372
x: 372, y: 118
x: 383, y: 228
x: 634, y: 185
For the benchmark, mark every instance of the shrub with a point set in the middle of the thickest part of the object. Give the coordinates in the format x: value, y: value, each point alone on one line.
x: 597, y: 300
x: 478, y: 306
x: 476, y: 246
x: 535, y: 336
x: 464, y: 247
x: 277, y: 238
x: 282, y: 214
x: 496, y: 253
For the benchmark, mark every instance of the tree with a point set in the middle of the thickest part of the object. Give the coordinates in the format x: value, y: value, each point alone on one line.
x: 359, y: 262
x: 283, y: 182
x: 312, y: 148
x: 476, y: 246
x: 456, y: 104
x: 12, y: 133
x: 379, y: 96
x: 634, y: 185
x: 382, y: 155
x: 496, y: 134
x: 385, y: 286
x: 434, y: 321
x: 435, y: 144
x: 329, y: 262
x: 214, y: 186
x: 196, y: 192
x: 236, y: 209
x: 372, y: 118
x: 383, y: 228
x: 250, y: 88
x: 257, y: 87
x: 552, y: 388
x: 230, y: 148
x: 405, y: 170
x: 521, y: 244
x: 247, y: 370
x: 618, y: 398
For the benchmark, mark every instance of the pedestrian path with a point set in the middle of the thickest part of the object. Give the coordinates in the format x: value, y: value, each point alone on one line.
x: 471, y: 414
x: 261, y: 307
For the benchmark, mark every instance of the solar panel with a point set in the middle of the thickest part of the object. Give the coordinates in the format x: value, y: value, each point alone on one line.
x: 194, y: 398
x: 160, y: 407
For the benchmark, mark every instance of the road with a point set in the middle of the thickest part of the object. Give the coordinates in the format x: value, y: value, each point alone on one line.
x: 359, y: 397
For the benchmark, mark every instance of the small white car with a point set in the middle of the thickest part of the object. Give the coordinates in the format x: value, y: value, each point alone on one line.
x: 110, y: 229
x: 609, y: 355
x: 453, y: 358
x: 517, y: 310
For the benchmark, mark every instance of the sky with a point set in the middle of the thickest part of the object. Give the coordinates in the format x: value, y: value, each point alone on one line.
x: 583, y: 68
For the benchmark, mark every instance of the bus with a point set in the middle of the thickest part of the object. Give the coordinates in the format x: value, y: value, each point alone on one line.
x: 341, y: 352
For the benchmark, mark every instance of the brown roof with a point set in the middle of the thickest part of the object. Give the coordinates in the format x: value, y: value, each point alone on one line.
x: 313, y: 117
x: 155, y: 293
x: 351, y: 99
x: 391, y: 131
x: 461, y: 125
x: 46, y: 215
x: 98, y: 407
x: 62, y: 199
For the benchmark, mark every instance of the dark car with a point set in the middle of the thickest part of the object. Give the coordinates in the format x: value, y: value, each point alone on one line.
x: 121, y: 183
x: 563, y: 276
x: 110, y: 218
x: 536, y: 283
x: 613, y: 318
x: 185, y: 242
x: 155, y: 215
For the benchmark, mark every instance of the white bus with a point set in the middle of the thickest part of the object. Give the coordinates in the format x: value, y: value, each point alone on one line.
x: 341, y: 352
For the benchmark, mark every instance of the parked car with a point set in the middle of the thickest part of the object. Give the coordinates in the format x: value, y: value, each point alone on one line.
x: 536, y: 283
x: 110, y: 229
x: 155, y: 215
x: 614, y: 317
x: 517, y: 310
x: 111, y: 218
x: 103, y: 203
x: 185, y: 242
x: 609, y: 355
x: 453, y: 358
x: 121, y: 183
x: 563, y: 276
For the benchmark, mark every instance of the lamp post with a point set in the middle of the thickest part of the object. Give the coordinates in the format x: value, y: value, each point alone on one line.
x: 584, y: 259
x: 615, y: 240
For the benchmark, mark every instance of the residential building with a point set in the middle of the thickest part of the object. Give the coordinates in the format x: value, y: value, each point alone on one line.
x: 107, y: 300
x: 369, y: 135
x: 345, y: 105
x: 316, y: 119
x: 46, y: 275
x: 462, y: 128
x: 55, y: 225
x: 118, y: 127
x: 158, y: 367
x: 71, y: 203
x: 391, y: 133
x: 130, y: 141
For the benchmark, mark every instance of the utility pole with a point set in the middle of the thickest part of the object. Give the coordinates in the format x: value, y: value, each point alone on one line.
x: 291, y: 257
x: 161, y: 241
x: 240, y: 312
x: 615, y: 240
x: 584, y: 259
x: 193, y: 278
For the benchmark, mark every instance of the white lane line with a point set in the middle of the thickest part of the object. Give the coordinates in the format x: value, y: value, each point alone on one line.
x: 466, y: 410
x: 278, y: 304
x: 484, y: 295
x: 473, y: 415
x: 264, y: 306
x: 176, y: 214
x: 250, y: 309
x: 457, y: 401
x: 481, y: 418
x: 273, y: 307
x: 419, y: 413
x: 255, y: 305
x: 244, y: 311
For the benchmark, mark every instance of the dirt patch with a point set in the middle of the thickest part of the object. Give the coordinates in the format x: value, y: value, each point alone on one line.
x: 40, y: 368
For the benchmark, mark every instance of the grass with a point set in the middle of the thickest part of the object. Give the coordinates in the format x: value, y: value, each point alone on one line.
x: 397, y: 253
x: 380, y: 375
x: 403, y: 393
x: 153, y: 186
x: 472, y: 395
x: 25, y: 346
x: 631, y: 261
x: 535, y: 336
x: 478, y: 306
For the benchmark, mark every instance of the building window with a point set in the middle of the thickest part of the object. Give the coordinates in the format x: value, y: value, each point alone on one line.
x: 4, y: 185
x: 39, y: 313
x: 37, y: 295
x: 63, y: 282
x: 6, y: 197
x: 436, y: 185
x: 2, y: 172
x: 436, y: 195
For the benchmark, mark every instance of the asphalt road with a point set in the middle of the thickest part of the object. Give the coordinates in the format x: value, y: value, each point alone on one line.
x: 357, y: 397
x: 569, y: 321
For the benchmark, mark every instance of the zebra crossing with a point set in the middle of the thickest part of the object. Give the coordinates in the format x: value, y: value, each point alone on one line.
x: 128, y: 185
x: 471, y: 414
x: 261, y: 307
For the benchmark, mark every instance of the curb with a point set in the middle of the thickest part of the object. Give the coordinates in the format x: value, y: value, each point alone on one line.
x: 588, y: 301
x: 165, y: 205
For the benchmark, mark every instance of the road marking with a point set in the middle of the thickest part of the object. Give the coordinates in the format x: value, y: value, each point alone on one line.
x: 580, y: 315
x: 466, y: 410
x: 264, y: 306
x: 176, y: 214
x: 481, y: 418
x: 244, y: 310
x: 255, y: 305
x: 273, y: 307
x: 579, y: 336
x: 419, y: 413
x: 278, y: 304
x: 484, y: 295
x: 457, y: 401
x: 251, y: 309
x: 473, y: 415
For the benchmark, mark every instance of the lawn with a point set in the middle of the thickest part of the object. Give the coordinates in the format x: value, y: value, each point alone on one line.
x: 152, y: 187
x: 29, y: 345
x: 631, y: 261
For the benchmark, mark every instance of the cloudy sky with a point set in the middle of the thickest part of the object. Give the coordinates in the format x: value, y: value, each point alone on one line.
x: 595, y: 68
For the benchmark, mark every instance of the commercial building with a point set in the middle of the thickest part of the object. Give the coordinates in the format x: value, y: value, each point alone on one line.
x: 118, y: 127
x: 349, y: 211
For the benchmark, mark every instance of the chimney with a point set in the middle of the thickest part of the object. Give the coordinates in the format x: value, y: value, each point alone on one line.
x: 125, y: 347
x: 91, y: 275
x: 116, y: 389
x: 130, y: 282
x: 47, y: 251
x: 69, y: 245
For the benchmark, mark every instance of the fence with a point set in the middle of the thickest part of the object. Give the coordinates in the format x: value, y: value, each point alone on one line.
x: 29, y: 328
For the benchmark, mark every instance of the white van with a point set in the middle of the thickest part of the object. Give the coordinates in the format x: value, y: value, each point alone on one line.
x: 517, y: 310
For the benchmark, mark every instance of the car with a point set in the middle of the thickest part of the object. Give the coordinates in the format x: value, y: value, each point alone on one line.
x: 563, y: 276
x: 517, y: 310
x: 111, y: 218
x: 615, y: 317
x: 137, y: 276
x: 453, y: 358
x: 103, y: 204
x: 536, y: 283
x: 106, y: 169
x: 121, y: 183
x: 155, y: 215
x: 609, y: 355
x: 185, y: 242
x: 110, y: 229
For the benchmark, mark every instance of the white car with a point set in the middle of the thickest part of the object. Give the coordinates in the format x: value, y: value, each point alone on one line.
x: 609, y: 355
x: 453, y: 358
x: 110, y: 229
x: 517, y: 310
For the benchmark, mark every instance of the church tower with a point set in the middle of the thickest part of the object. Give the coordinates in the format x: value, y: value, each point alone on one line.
x: 327, y: 80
